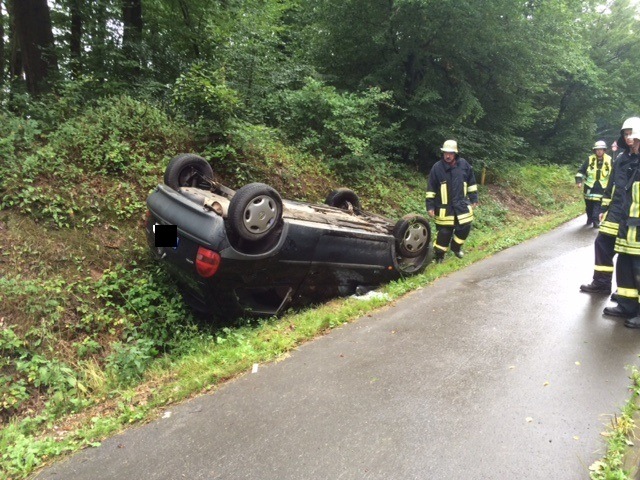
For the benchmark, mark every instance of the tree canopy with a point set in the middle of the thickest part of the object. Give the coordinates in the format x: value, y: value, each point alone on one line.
x: 348, y: 80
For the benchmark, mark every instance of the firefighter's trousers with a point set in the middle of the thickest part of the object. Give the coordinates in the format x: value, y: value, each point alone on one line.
x: 593, y: 208
x: 451, y: 237
x: 603, y: 269
x: 628, y: 280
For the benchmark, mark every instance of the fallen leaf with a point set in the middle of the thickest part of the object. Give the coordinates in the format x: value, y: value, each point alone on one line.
x: 529, y: 419
x: 596, y: 466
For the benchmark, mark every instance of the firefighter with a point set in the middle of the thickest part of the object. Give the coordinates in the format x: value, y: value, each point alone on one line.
x: 611, y: 213
x: 451, y: 193
x: 628, y: 241
x: 594, y: 175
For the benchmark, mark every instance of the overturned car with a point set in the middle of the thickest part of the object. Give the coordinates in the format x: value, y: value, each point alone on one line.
x: 250, y: 251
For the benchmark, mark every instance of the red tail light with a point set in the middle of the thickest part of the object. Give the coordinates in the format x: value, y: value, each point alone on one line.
x: 207, y: 262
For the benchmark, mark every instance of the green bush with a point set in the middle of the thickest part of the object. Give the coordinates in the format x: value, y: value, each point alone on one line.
x: 143, y: 308
x: 204, y: 98
x: 491, y: 215
x: 388, y: 188
x: 16, y: 135
x: 24, y: 372
x: 128, y: 361
x: 256, y: 153
x: 138, y: 308
x: 537, y: 184
x: 67, y: 180
x: 119, y: 136
x: 344, y: 127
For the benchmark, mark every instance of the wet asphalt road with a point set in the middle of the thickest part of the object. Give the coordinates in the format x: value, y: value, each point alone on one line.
x: 502, y: 370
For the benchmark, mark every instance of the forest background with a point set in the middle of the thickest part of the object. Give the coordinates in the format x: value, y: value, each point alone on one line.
x: 526, y: 79
x: 97, y: 95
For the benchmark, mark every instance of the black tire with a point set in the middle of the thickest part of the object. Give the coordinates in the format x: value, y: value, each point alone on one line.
x: 343, y: 197
x: 413, y: 236
x: 255, y: 211
x: 187, y: 170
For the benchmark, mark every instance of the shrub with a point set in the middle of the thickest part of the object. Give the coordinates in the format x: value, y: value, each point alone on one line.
x: 204, y: 98
x: 119, y: 136
x: 344, y: 127
x: 17, y: 135
x: 66, y: 180
x: 256, y: 153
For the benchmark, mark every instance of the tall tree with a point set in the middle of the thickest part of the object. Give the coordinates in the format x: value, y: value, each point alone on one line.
x: 132, y: 29
x: 35, y: 34
x: 132, y: 20
x: 189, y: 24
x: 2, y: 55
x: 75, y: 35
x: 15, y: 58
x: 98, y: 39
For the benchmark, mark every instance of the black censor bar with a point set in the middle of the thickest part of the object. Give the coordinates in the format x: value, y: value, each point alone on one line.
x: 165, y: 235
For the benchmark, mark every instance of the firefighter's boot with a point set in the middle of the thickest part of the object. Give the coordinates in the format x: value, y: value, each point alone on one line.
x: 594, y: 287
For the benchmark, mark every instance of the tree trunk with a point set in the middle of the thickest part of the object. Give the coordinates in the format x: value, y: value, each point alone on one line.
x: 132, y: 21
x: 75, y: 40
x: 570, y: 90
x: 184, y: 8
x: 95, y: 26
x: 35, y: 35
x: 132, y: 35
x: 2, y: 59
x: 15, y: 57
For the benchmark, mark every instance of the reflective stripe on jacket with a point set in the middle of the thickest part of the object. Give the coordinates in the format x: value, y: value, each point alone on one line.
x: 450, y: 192
x: 595, y: 174
x: 628, y: 240
x: 613, y: 197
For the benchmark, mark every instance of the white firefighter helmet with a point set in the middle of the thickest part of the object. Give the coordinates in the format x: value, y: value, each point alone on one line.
x: 635, y: 133
x: 600, y: 144
x: 631, y: 122
x: 451, y: 146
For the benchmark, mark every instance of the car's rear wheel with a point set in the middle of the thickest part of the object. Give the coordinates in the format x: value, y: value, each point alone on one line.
x: 344, y: 199
x: 255, y: 211
x: 187, y: 170
x: 412, y: 234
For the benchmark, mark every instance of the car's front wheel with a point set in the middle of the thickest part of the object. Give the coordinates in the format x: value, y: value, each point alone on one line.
x: 255, y: 211
x: 187, y: 170
x: 412, y: 234
x: 413, y: 243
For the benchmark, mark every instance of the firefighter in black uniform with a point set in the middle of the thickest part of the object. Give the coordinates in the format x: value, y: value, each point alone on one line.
x: 612, y: 213
x: 451, y: 193
x: 594, y: 175
x: 628, y: 240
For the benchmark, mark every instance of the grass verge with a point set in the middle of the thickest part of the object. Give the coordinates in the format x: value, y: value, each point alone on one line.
x: 623, y: 455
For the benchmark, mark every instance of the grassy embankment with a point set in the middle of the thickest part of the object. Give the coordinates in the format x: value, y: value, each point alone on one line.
x: 94, y: 337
